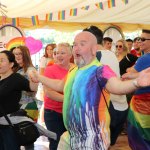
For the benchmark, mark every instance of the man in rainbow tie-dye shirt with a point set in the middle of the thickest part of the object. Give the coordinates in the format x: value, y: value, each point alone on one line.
x: 84, y: 110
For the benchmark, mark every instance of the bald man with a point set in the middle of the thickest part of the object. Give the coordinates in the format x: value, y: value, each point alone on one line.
x: 85, y: 113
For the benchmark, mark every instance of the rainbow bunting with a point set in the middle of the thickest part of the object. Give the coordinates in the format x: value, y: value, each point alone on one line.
x: 125, y: 1
x: 15, y: 22
x: 61, y: 15
x: 73, y: 12
x: 49, y: 17
x: 111, y: 3
x: 3, y: 20
x: 35, y: 20
x: 99, y: 5
x: 85, y: 7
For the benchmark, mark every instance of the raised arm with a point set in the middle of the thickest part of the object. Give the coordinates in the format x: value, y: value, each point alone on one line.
x: 57, y: 85
x: 116, y: 86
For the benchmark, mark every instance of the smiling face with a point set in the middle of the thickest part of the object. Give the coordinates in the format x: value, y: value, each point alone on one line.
x: 63, y: 54
x: 18, y: 56
x: 119, y: 47
x: 145, y: 45
x: 84, y: 48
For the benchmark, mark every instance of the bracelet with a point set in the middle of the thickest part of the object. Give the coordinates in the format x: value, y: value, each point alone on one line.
x: 135, y: 83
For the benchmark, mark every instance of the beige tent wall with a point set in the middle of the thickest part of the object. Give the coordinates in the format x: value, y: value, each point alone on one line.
x: 26, y: 23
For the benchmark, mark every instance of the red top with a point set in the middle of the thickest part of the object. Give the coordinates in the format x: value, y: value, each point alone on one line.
x: 54, y: 72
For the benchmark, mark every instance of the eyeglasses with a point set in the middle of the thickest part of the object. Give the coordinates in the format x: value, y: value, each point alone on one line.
x: 142, y: 39
x: 120, y: 46
x: 17, y: 54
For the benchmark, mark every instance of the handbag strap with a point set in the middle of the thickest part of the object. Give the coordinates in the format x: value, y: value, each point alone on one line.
x: 6, y: 117
x: 102, y: 90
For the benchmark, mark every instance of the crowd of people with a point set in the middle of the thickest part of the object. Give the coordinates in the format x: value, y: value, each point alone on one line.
x: 87, y: 101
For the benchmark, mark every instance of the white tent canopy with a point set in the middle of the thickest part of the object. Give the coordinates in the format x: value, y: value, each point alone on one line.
x: 129, y: 17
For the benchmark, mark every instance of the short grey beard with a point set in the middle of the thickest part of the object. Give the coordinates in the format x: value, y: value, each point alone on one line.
x: 80, y: 64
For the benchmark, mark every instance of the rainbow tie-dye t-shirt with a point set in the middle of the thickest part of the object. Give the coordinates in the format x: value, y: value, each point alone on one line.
x: 84, y: 110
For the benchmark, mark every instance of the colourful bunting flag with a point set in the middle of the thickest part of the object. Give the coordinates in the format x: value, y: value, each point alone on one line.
x: 111, y: 3
x: 125, y: 1
x: 85, y: 7
x: 3, y: 20
x: 61, y: 15
x: 49, y: 17
x: 73, y: 12
x: 35, y: 20
x: 15, y: 22
x: 99, y: 5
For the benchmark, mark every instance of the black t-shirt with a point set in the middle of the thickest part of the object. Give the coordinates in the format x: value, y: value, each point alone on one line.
x: 127, y: 62
x: 10, y: 92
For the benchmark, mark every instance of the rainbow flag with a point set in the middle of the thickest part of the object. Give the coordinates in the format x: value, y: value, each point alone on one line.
x: 3, y: 20
x: 73, y: 12
x: 125, y: 1
x: 85, y: 7
x: 61, y: 15
x: 35, y: 20
x: 111, y: 3
x: 99, y: 5
x: 15, y: 22
x: 49, y: 17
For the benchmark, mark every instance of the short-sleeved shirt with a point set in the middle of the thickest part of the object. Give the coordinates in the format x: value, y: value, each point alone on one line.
x: 142, y: 63
x: 84, y: 111
x: 54, y: 72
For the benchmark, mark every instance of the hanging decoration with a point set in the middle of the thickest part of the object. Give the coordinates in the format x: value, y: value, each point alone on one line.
x: 35, y: 20
x: 15, y: 22
x: 111, y: 3
x: 73, y: 12
x: 99, y: 5
x: 49, y: 17
x: 85, y: 7
x: 33, y: 44
x: 61, y: 15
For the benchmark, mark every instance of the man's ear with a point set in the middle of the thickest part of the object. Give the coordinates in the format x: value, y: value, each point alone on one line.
x: 94, y: 50
x: 12, y: 64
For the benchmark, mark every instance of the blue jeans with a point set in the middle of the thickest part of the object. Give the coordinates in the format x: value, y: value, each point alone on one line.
x: 54, y: 122
x: 7, y: 139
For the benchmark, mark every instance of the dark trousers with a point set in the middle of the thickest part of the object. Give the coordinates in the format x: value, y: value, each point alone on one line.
x: 54, y: 122
x: 118, y: 118
x: 8, y: 140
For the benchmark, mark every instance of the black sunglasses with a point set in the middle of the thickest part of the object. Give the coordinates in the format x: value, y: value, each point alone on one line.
x: 120, y: 46
x: 142, y: 39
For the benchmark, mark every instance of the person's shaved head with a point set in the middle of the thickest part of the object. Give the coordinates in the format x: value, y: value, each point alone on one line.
x: 84, y: 49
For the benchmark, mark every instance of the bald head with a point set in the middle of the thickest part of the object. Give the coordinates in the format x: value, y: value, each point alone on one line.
x: 87, y: 35
x: 84, y: 49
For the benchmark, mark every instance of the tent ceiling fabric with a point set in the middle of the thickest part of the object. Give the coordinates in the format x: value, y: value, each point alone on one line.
x: 129, y: 17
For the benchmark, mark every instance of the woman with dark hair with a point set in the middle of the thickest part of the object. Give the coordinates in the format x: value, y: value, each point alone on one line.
x: 11, y: 86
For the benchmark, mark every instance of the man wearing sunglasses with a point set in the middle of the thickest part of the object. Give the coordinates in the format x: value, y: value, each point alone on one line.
x: 136, y: 51
x: 139, y: 112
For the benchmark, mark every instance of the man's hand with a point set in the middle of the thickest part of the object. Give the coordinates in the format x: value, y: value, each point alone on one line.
x: 129, y: 76
x: 143, y: 78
